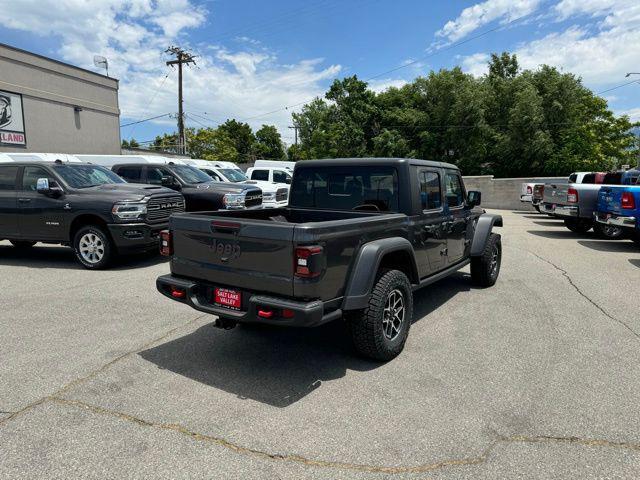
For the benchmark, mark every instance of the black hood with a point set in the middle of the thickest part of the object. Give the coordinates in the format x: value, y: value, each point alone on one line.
x: 221, y: 187
x: 129, y: 191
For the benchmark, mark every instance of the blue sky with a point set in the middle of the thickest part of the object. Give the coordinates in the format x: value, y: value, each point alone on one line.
x: 260, y: 57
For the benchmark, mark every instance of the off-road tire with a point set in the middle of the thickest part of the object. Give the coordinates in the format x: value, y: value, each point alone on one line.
x: 486, y: 267
x: 609, y: 232
x: 366, y: 326
x: 105, y: 252
x: 578, y: 226
x: 22, y: 243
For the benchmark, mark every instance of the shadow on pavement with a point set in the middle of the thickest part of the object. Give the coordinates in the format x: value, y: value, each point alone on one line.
x: 635, y: 262
x: 561, y: 234
x: 610, y: 245
x: 279, y: 366
x: 549, y: 223
x: 48, y: 256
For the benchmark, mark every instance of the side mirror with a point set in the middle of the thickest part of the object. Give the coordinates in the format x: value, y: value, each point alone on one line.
x: 46, y: 187
x: 42, y: 185
x: 474, y: 198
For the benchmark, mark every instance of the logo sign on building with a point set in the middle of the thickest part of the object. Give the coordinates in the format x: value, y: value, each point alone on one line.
x: 11, y: 119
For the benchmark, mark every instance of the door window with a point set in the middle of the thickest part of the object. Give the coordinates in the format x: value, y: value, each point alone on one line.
x: 260, y: 175
x: 430, y: 191
x: 130, y: 174
x: 453, y: 190
x: 281, y: 177
x: 155, y: 174
x: 30, y: 178
x: 8, y: 178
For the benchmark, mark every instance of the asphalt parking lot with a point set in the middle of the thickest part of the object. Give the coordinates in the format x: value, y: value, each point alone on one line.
x: 538, y: 377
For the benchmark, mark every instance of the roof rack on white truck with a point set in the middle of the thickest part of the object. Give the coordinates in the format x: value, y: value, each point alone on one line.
x: 38, y: 157
x: 112, y: 160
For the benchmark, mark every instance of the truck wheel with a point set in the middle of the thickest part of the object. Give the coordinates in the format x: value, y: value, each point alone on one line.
x: 486, y: 267
x: 22, y: 243
x: 380, y: 330
x: 608, y: 231
x: 93, y: 247
x: 578, y: 226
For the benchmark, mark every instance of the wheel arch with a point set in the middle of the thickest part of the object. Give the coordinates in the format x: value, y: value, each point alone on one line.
x: 394, y: 253
x: 85, y: 219
x: 484, y: 227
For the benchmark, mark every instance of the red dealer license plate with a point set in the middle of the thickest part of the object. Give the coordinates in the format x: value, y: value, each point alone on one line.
x: 228, y: 298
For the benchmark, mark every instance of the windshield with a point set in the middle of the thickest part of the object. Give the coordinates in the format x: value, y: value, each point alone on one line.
x: 190, y: 174
x: 233, y: 175
x: 346, y: 188
x: 85, y: 176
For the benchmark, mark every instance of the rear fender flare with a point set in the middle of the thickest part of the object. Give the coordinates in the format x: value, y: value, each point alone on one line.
x: 483, y: 229
x: 366, y: 266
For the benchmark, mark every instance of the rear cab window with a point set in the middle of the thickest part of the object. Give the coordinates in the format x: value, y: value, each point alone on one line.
x: 430, y: 189
x: 8, y: 176
x: 454, y: 191
x: 373, y: 188
x: 130, y: 174
x: 260, y: 175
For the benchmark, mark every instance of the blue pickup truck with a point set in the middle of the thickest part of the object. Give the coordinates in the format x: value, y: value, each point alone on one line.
x: 619, y: 206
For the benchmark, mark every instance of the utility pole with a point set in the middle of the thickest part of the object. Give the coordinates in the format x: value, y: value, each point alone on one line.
x: 295, y: 128
x: 182, y: 57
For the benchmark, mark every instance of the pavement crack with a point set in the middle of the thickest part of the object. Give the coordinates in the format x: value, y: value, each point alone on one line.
x: 292, y: 458
x: 360, y: 467
x: 78, y: 381
x: 586, y: 297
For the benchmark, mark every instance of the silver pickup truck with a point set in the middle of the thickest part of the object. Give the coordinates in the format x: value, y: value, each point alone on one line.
x: 576, y: 203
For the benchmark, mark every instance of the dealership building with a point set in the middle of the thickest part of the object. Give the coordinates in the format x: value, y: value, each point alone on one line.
x: 50, y: 106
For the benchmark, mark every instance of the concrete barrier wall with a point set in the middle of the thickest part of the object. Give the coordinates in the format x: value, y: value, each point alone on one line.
x: 504, y: 193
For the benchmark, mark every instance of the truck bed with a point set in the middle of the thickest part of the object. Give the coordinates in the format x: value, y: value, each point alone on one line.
x: 256, y: 247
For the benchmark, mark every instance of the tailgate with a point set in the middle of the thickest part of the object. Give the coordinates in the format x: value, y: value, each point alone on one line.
x: 555, y: 193
x: 609, y: 200
x: 236, y: 252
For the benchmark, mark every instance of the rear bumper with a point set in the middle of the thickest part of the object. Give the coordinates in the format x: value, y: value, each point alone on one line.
x: 136, y: 236
x: 305, y: 314
x: 616, y: 220
x: 564, y: 211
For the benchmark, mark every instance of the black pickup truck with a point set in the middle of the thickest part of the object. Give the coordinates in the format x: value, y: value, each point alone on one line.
x: 85, y: 206
x: 358, y: 237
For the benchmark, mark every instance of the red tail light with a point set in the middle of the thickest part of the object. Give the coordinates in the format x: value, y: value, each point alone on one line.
x: 166, y: 243
x: 628, y: 202
x: 307, y: 262
x: 286, y: 313
x: 572, y: 195
x: 529, y: 190
x: 177, y: 292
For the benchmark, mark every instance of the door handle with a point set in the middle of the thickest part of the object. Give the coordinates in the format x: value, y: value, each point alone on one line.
x: 24, y: 200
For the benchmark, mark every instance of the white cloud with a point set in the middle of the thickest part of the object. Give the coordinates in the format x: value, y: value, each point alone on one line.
x: 133, y: 35
x: 475, y: 64
x: 480, y: 14
x: 380, y: 85
x: 601, y: 54
x: 632, y: 113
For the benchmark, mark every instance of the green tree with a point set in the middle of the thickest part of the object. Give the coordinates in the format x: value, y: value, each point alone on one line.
x: 243, y: 139
x: 132, y: 143
x: 269, y: 143
x: 212, y: 144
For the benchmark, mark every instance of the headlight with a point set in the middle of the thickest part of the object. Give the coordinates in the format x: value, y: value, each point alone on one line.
x: 233, y: 200
x: 129, y: 211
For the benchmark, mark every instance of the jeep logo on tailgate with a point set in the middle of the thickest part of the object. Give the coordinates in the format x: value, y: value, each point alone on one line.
x: 225, y: 251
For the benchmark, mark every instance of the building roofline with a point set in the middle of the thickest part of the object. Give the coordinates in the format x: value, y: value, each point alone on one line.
x: 43, y: 57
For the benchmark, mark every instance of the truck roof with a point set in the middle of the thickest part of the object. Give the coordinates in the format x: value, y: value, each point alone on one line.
x: 112, y: 160
x: 337, y: 162
x: 38, y: 157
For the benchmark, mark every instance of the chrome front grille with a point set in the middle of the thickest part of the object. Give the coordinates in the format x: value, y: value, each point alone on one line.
x: 159, y: 208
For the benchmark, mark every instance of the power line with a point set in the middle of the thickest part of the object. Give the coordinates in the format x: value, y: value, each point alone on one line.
x: 155, y: 94
x: 619, y: 86
x: 145, y: 120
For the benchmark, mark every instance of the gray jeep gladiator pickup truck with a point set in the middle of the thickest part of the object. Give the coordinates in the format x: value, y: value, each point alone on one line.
x: 358, y: 237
